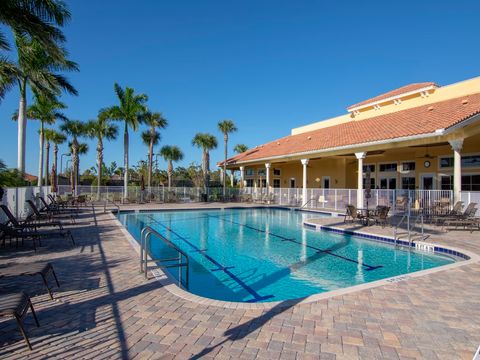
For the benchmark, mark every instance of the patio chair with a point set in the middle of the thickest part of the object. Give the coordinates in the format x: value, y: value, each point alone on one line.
x: 380, y: 217
x: 27, y: 223
x: 33, y: 234
x: 43, y: 269
x: 469, y: 212
x: 16, y: 305
x: 353, y: 214
x: 401, y: 203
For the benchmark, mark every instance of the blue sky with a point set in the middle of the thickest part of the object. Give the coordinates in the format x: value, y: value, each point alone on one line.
x: 268, y: 65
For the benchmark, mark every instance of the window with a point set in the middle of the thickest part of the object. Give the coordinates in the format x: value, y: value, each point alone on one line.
x: 471, y: 183
x: 370, y: 167
x: 470, y: 161
x: 262, y: 172
x: 276, y: 172
x: 446, y: 182
x: 249, y: 172
x: 408, y: 183
x: 388, y: 167
x: 372, y: 183
x: 276, y: 183
x: 408, y: 166
x: 262, y: 183
x: 249, y: 182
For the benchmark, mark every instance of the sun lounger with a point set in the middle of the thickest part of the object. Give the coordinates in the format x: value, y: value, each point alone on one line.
x: 27, y: 223
x: 16, y: 306
x: 34, y: 234
x: 469, y: 212
x: 45, y: 270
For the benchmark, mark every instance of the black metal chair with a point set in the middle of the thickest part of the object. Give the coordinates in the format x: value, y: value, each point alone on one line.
x: 16, y: 305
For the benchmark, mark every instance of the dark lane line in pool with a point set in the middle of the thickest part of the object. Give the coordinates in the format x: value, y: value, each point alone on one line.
x: 328, y: 252
x: 220, y: 267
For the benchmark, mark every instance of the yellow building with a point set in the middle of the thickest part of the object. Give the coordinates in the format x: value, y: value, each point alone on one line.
x: 420, y: 136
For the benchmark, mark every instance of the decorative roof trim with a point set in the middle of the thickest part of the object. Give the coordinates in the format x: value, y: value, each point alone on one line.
x: 354, y: 108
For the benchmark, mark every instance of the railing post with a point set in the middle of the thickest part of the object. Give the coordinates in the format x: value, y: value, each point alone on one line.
x: 335, y: 194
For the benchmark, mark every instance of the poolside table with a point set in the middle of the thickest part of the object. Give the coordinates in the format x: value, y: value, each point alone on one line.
x: 367, y: 215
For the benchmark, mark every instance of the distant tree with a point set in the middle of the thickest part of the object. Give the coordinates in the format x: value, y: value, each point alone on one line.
x: 75, y: 129
x: 171, y: 154
x: 47, y: 111
x: 52, y: 136
x: 101, y: 128
x: 130, y: 110
x: 151, y: 137
x: 240, y: 148
x: 206, y: 142
x: 226, y: 127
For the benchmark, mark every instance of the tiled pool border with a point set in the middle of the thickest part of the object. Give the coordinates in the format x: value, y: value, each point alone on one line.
x: 170, y: 284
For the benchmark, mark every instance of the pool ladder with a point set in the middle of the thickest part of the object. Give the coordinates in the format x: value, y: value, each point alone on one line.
x: 181, y: 261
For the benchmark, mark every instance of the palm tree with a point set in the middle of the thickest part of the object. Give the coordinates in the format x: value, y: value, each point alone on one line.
x: 206, y: 142
x: 38, y: 69
x: 130, y: 111
x: 56, y: 138
x: 82, y: 150
x: 75, y: 129
x: 240, y: 148
x: 45, y: 110
x: 171, y: 154
x: 226, y: 127
x: 51, y: 136
x: 151, y: 137
x: 8, y: 74
x: 37, y: 18
x: 101, y: 128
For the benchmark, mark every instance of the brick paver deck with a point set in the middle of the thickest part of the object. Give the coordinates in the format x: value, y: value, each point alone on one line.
x: 105, y: 309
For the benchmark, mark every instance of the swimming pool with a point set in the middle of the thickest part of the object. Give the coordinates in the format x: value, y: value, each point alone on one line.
x: 265, y: 254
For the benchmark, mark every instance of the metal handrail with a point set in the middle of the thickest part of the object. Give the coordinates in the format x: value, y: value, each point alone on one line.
x: 407, y: 216
x: 145, y: 235
x: 309, y: 201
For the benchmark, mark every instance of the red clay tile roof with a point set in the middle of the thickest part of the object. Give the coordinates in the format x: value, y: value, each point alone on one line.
x: 415, y: 121
x: 29, y: 177
x: 403, y: 90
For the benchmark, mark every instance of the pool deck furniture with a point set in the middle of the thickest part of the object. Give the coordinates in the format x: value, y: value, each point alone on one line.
x: 16, y: 306
x: 44, y: 270
x: 353, y: 214
x: 29, y: 223
x: 34, y: 234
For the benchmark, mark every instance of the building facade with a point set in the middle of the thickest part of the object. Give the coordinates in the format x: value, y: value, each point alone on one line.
x: 420, y: 136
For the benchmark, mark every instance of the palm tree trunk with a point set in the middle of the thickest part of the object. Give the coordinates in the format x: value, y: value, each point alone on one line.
x: 74, y: 165
x: 55, y: 158
x: 225, y: 142
x: 125, y: 162
x: 150, y: 164
x: 169, y: 173
x: 47, y: 162
x: 22, y: 125
x: 99, y: 165
x: 40, y: 155
x: 206, y: 167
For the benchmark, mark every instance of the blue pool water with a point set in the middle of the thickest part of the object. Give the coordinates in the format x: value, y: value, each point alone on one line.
x: 259, y: 255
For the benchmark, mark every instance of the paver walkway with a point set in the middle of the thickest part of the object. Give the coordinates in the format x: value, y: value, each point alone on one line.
x: 105, y: 309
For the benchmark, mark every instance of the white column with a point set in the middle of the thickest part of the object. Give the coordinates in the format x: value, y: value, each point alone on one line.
x: 304, y: 187
x: 267, y: 171
x: 232, y: 177
x: 221, y: 175
x: 242, y: 176
x: 457, y: 168
x: 360, y: 156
